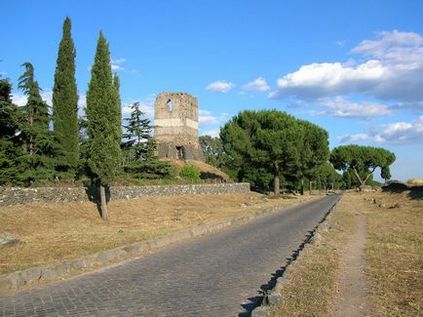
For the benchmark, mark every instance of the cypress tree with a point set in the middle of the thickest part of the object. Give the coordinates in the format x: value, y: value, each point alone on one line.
x: 103, y: 147
x: 116, y: 84
x: 65, y: 109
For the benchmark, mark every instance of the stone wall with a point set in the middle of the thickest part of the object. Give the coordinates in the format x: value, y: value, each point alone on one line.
x: 16, y: 195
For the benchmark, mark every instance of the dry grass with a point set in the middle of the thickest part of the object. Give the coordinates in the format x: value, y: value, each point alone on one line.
x: 395, y: 254
x: 415, y: 181
x: 310, y: 284
x: 53, y: 232
x: 394, y: 258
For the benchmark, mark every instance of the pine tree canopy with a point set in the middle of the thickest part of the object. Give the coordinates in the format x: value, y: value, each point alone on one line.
x: 36, y: 108
x: 37, y: 160
x: 263, y: 144
x: 362, y: 161
x: 10, y: 141
x: 8, y: 111
x: 139, y: 145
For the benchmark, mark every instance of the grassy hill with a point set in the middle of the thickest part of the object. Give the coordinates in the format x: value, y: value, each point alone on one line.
x: 208, y: 173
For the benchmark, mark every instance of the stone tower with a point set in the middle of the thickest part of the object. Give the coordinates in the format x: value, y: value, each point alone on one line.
x: 176, y: 126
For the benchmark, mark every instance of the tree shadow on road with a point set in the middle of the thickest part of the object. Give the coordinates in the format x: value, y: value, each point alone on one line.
x: 265, y: 289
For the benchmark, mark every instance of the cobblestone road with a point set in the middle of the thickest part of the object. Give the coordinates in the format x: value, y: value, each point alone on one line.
x: 213, y: 275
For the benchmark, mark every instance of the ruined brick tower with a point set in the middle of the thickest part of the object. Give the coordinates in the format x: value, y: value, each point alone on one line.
x: 176, y: 126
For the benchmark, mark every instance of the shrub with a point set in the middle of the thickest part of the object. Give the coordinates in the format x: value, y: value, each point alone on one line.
x: 190, y: 172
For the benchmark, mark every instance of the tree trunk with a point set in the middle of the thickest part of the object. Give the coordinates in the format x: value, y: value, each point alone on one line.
x: 276, y: 181
x: 30, y: 145
x: 362, y: 182
x: 302, y: 185
x: 367, y: 177
x: 103, y: 204
x: 358, y: 177
x: 309, y: 186
x: 276, y: 184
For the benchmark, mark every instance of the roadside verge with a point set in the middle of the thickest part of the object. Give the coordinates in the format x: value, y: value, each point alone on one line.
x: 304, y: 279
x: 37, y: 275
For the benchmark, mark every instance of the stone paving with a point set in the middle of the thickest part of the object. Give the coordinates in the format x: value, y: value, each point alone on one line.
x: 214, y: 275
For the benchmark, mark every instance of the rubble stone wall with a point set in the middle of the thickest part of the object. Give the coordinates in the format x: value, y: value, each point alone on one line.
x: 17, y: 195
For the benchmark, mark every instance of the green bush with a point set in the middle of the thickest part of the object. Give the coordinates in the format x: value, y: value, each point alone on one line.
x: 153, y: 169
x: 190, y: 172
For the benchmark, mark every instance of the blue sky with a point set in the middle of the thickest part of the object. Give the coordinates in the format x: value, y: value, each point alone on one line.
x: 355, y: 68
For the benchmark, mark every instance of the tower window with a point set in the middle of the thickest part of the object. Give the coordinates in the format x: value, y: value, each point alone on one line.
x: 169, y: 105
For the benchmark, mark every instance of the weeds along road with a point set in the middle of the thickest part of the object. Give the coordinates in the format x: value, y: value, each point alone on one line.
x: 214, y: 275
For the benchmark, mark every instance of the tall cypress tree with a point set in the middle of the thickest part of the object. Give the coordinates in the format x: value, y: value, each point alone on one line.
x: 103, y: 147
x: 65, y: 109
x: 116, y: 84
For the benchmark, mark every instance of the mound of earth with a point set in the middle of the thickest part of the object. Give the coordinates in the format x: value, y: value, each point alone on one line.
x: 415, y: 182
x: 208, y: 172
x: 396, y: 187
x: 412, y: 191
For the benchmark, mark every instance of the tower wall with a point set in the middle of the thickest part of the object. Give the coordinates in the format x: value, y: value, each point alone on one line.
x: 176, y: 126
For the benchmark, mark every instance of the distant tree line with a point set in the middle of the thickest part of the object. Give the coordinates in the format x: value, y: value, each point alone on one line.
x: 272, y: 150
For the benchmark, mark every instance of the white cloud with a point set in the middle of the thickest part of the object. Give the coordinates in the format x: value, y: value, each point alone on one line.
x: 389, y: 44
x: 118, y: 61
x: 205, y: 117
x: 358, y: 137
x: 146, y: 106
x: 340, y: 43
x: 20, y: 99
x: 82, y: 101
x: 47, y: 96
x: 331, y: 79
x: 393, y: 133
x: 220, y: 86
x: 212, y: 133
x: 258, y: 84
x: 117, y: 64
x: 341, y: 107
x: 388, y: 68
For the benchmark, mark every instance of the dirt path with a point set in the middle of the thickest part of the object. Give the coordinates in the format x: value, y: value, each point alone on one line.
x: 352, y: 291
